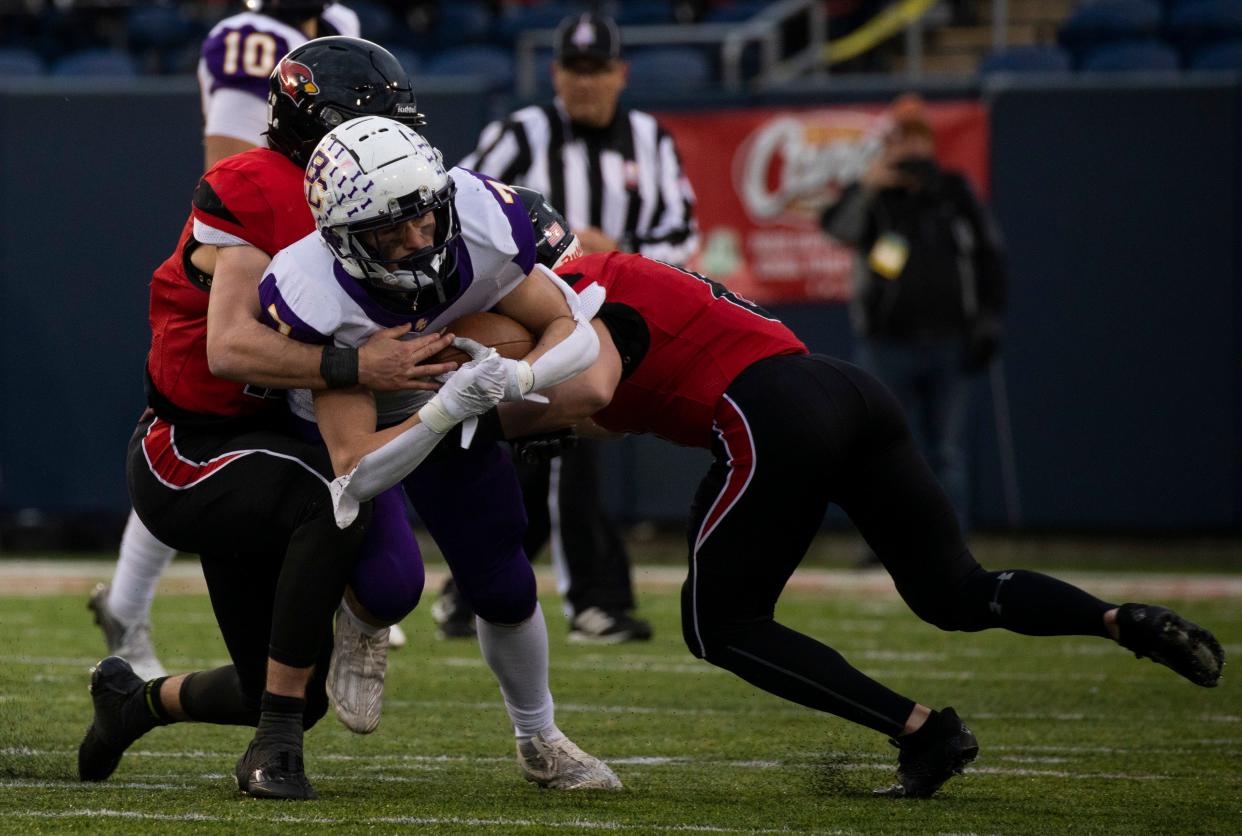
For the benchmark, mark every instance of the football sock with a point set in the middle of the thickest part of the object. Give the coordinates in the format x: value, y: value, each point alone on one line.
x: 280, y: 721
x: 518, y: 656
x: 346, y: 612
x: 1033, y: 604
x: 142, y: 559
x: 216, y: 697
x: 155, y: 706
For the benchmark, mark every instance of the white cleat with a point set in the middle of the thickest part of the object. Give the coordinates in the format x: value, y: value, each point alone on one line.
x: 396, y: 637
x: 552, y: 760
x: 132, y: 642
x: 356, y: 675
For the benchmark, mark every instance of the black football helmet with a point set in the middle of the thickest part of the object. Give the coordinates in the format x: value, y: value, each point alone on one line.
x: 554, y: 243
x: 327, y: 81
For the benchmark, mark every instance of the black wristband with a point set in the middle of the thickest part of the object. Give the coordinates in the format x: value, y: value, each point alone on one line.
x: 339, y: 366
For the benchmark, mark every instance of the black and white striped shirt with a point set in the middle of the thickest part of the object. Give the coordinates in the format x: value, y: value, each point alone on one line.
x: 625, y: 179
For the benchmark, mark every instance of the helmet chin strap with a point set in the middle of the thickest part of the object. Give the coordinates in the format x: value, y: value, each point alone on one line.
x: 411, y: 280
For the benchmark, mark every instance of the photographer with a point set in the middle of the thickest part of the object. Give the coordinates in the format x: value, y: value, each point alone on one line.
x: 929, y: 289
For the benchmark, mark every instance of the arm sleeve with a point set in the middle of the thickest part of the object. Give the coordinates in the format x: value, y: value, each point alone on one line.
x: 578, y: 351
x: 675, y: 236
x: 848, y: 220
x: 379, y: 470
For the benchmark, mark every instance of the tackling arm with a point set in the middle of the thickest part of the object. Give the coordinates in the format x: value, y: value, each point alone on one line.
x: 571, y: 403
x: 240, y: 347
x: 567, y: 343
x: 368, y: 461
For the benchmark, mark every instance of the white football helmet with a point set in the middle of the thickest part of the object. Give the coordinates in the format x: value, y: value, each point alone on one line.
x: 371, y: 173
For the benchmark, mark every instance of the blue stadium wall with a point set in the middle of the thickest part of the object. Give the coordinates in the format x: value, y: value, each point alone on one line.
x: 1123, y: 358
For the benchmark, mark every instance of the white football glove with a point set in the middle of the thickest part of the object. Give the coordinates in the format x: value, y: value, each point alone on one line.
x: 519, y: 378
x: 471, y: 390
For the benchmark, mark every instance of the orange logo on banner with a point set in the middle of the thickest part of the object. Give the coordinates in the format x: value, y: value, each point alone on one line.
x: 760, y: 226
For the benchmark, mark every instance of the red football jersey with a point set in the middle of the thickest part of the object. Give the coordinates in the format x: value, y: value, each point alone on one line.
x: 256, y: 196
x: 699, y: 337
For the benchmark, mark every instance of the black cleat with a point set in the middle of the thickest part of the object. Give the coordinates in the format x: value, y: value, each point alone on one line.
x: 1165, y: 637
x: 269, y: 771
x: 932, y: 755
x: 121, y: 717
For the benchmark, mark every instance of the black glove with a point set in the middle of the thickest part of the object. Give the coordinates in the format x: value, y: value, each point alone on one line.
x: 982, y: 343
x: 543, y: 447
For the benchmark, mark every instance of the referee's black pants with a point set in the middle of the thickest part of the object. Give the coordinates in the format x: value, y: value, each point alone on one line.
x: 254, y: 505
x: 794, y: 433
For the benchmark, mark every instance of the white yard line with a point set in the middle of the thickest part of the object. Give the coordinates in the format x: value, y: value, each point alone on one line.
x: 821, y: 760
x: 47, y: 577
x: 249, y: 819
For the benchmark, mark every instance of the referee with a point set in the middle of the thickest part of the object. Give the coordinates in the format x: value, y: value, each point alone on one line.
x: 615, y: 174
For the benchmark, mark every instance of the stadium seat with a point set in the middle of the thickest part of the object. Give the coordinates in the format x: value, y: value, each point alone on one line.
x: 1027, y: 59
x: 18, y: 61
x: 493, y: 63
x: 678, y: 69
x: 157, y: 27
x: 1199, y: 22
x: 1106, y: 21
x: 97, y: 62
x: 1226, y: 55
x: 1135, y: 56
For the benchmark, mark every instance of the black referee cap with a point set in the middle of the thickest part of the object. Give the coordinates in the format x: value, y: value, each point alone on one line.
x: 587, y: 37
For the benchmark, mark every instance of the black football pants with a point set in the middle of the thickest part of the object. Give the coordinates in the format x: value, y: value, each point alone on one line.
x: 793, y: 434
x: 255, y: 507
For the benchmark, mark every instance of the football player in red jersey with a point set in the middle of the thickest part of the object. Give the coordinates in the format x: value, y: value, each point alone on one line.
x: 683, y: 358
x: 211, y: 468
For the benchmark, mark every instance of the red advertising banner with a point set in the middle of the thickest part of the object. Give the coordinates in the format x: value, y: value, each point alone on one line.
x: 764, y: 176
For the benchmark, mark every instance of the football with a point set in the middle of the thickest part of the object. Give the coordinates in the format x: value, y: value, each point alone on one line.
x: 506, y: 335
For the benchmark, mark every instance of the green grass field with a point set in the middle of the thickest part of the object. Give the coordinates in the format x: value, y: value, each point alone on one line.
x: 1076, y: 735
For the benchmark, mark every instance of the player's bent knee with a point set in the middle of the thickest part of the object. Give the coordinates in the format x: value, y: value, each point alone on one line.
x: 505, y: 596
x: 951, y: 610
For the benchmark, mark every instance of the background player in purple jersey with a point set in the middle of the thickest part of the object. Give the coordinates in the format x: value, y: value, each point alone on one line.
x: 238, y: 57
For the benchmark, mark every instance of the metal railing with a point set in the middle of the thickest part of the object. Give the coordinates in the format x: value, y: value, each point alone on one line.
x: 732, y: 39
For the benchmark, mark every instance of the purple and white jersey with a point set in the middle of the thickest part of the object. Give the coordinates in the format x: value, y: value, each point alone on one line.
x: 308, y: 296
x: 237, y: 58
